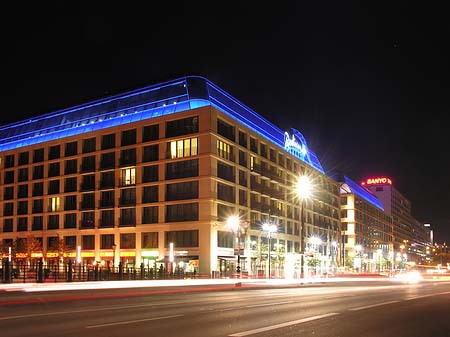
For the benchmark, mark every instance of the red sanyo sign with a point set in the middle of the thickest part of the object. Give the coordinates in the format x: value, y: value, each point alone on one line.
x: 377, y: 181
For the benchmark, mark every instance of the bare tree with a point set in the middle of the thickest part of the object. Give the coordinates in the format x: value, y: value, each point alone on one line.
x: 59, y: 246
x: 33, y: 245
x: 3, y: 248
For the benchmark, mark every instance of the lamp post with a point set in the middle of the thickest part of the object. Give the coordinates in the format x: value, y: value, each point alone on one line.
x: 302, y: 191
x: 400, y: 256
x: 234, y: 223
x: 79, y: 261
x: 379, y: 254
x: 269, y: 228
x: 333, y: 255
x: 358, y: 249
x: 171, y: 257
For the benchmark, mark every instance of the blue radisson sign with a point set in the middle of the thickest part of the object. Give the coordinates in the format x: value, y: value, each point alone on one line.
x: 295, y: 144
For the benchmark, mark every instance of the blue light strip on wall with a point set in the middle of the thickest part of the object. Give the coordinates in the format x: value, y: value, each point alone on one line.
x: 82, y: 129
x: 363, y: 193
x: 146, y: 103
x: 97, y: 111
x: 231, y: 106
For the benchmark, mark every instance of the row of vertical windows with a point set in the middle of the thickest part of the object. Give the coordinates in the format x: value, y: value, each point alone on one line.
x: 177, y: 191
x: 186, y: 238
x: 174, y: 213
x: 181, y: 127
x: 106, y: 220
x: 107, y: 180
x: 226, y: 192
x: 181, y: 169
x: 175, y: 149
x: 225, y: 150
x: 128, y: 137
x: 182, y: 148
x: 54, y: 243
x: 107, y: 200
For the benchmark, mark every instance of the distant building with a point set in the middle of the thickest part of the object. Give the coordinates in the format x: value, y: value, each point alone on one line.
x: 409, y: 234
x: 429, y: 234
x: 120, y: 179
x: 366, y: 228
x: 429, y: 254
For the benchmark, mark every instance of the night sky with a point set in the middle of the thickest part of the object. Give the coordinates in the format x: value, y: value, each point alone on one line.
x: 367, y: 86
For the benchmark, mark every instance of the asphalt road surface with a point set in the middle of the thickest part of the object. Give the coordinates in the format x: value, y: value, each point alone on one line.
x: 360, y: 309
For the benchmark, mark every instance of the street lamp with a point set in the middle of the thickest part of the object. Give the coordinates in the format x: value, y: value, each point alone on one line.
x: 315, y: 241
x: 303, y: 190
x: 233, y: 222
x: 358, y: 249
x: 379, y: 254
x: 269, y: 228
x: 333, y: 254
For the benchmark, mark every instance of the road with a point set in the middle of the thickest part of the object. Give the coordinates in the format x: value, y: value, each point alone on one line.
x: 321, y: 310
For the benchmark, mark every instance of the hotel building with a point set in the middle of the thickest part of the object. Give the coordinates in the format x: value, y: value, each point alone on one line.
x: 125, y: 178
x: 368, y: 237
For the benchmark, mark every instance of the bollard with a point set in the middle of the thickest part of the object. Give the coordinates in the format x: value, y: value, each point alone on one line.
x: 69, y: 272
x: 7, y: 271
x: 120, y: 271
x: 40, y: 272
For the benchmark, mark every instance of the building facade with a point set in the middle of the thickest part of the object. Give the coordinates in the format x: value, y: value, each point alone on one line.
x: 410, y: 237
x: 368, y: 237
x: 153, y: 176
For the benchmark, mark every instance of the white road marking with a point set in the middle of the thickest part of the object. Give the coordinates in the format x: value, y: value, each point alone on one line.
x: 78, y: 311
x: 373, y: 305
x: 282, y: 325
x: 267, y: 304
x: 252, y: 306
x: 130, y: 322
x: 428, y: 295
x: 107, y: 308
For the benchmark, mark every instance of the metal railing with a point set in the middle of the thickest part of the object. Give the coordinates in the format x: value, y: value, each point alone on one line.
x: 71, y: 272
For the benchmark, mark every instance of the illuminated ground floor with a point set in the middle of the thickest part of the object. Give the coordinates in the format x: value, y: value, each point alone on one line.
x: 215, y: 252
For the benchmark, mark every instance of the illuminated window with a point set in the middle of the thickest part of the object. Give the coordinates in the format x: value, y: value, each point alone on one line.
x: 182, y: 148
x: 128, y: 176
x: 224, y: 150
x: 53, y: 204
x: 253, y: 162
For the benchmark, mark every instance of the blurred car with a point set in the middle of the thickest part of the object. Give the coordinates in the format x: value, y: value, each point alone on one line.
x: 412, y: 276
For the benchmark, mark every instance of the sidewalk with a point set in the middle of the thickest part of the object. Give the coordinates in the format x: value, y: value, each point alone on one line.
x: 61, y: 286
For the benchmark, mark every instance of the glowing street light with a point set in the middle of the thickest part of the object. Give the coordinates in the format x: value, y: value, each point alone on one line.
x: 303, y: 190
x: 234, y: 223
x: 269, y: 228
x: 303, y: 187
x: 315, y: 241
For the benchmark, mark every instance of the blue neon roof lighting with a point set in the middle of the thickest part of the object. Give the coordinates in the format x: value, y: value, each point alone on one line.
x: 363, y: 193
x: 152, y: 101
